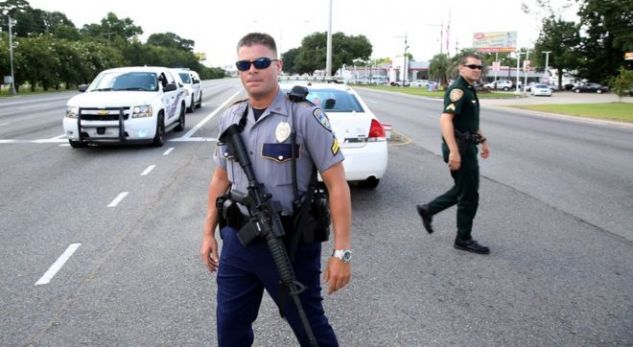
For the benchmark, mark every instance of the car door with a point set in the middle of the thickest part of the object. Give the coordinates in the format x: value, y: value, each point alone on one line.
x: 170, y: 98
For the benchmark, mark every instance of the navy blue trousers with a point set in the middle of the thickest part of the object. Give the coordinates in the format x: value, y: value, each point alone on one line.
x: 245, y: 272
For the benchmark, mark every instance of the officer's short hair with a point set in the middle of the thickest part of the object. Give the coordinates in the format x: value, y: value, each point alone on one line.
x: 465, y: 57
x: 258, y: 39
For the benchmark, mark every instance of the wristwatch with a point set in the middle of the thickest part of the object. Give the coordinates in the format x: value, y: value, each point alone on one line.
x: 345, y: 255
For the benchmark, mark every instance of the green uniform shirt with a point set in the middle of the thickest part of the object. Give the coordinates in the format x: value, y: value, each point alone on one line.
x: 461, y: 100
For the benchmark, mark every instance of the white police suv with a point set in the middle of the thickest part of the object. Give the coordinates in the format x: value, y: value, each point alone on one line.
x: 190, y: 80
x: 126, y: 105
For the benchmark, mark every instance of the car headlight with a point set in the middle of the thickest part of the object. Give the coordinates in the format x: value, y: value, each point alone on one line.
x: 72, y: 111
x: 142, y: 111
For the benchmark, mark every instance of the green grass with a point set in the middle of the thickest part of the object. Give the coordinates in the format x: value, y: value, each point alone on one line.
x: 619, y: 111
x: 437, y: 94
x: 5, y: 90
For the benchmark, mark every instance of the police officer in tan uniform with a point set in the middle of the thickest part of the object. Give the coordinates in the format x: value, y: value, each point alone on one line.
x: 245, y: 271
x: 461, y: 135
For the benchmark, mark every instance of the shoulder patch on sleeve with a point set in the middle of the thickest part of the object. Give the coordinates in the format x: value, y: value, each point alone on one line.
x: 335, y: 147
x: 450, y: 107
x: 322, y: 118
x: 456, y: 94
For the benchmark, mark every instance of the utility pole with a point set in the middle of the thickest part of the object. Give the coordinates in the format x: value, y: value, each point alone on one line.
x: 404, y: 65
x: 525, y: 68
x: 10, y: 24
x: 328, y: 59
x: 546, y: 72
x: 516, y: 87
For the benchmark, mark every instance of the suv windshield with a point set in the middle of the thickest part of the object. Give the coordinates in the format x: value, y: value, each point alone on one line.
x: 143, y: 81
x: 184, y: 76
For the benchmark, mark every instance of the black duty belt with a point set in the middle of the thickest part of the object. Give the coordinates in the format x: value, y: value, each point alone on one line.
x: 475, y: 138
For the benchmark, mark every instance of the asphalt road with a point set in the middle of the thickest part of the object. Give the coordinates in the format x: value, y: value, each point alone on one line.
x: 556, y: 196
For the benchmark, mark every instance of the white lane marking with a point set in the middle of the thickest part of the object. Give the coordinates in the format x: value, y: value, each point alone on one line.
x: 211, y: 115
x: 57, y: 265
x: 8, y: 141
x: 148, y: 170
x: 5, y: 123
x: 118, y: 199
x: 62, y: 136
x: 168, y: 151
x: 65, y: 145
x: 51, y: 140
x: 194, y: 139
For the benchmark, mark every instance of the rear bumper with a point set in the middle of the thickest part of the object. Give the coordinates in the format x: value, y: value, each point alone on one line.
x: 364, y: 162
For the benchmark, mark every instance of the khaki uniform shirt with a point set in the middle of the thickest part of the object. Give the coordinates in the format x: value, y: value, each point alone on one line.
x: 269, y: 146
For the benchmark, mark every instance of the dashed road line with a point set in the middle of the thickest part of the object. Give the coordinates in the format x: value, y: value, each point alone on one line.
x: 169, y: 150
x: 148, y: 170
x: 208, y: 118
x: 57, y: 265
x: 118, y: 199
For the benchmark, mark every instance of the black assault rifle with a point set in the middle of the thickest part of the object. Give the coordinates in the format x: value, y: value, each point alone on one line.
x: 265, y: 222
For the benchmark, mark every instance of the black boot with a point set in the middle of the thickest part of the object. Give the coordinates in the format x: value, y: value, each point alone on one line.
x: 470, y: 245
x: 427, y: 218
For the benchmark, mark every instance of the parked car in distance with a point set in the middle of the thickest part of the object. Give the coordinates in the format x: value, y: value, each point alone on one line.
x: 419, y: 83
x: 590, y: 88
x: 505, y: 85
x: 360, y: 134
x: 541, y: 90
x: 190, y: 80
x: 126, y: 105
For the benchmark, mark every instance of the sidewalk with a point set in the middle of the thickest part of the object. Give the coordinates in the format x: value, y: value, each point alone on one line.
x: 557, y: 98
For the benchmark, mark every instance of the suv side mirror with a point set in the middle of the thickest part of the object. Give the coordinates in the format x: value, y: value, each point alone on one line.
x: 82, y: 87
x: 170, y: 87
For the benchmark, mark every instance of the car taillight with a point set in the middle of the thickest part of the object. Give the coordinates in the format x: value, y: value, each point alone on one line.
x: 376, y: 131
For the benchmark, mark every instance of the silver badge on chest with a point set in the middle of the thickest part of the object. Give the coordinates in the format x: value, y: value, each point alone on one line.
x: 282, y: 132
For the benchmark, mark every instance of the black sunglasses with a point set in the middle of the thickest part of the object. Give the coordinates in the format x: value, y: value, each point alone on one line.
x: 259, y: 63
x: 474, y: 67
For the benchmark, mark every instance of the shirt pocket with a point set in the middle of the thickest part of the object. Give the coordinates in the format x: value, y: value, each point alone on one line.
x: 277, y: 163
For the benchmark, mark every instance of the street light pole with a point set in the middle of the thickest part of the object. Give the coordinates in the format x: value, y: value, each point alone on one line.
x: 328, y: 59
x: 10, y: 24
x: 404, y: 66
x: 516, y: 87
x: 547, y: 65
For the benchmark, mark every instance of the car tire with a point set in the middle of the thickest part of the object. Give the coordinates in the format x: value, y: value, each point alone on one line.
x: 77, y: 144
x: 505, y: 89
x: 370, y: 183
x: 577, y: 90
x: 199, y: 104
x: 192, y: 105
x: 159, y: 138
x: 181, y: 119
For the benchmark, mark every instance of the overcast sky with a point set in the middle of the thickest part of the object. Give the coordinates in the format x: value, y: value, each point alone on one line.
x: 216, y: 26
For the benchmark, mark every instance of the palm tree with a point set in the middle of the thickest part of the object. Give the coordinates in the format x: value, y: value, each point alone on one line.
x: 439, y: 69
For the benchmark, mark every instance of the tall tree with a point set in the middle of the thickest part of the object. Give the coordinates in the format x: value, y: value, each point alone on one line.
x: 112, y: 30
x: 170, y: 40
x: 608, y: 28
x: 562, y: 40
x: 289, y: 60
x: 439, y: 68
x: 345, y: 49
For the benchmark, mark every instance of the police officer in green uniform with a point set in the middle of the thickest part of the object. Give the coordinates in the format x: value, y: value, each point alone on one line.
x: 461, y: 135
x: 268, y: 120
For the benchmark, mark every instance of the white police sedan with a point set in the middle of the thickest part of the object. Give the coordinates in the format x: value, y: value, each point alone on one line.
x: 358, y: 131
x: 541, y: 90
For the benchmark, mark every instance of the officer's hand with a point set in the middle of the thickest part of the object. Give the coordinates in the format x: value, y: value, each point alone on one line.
x: 485, y: 150
x: 454, y: 160
x: 337, y: 274
x: 209, y: 252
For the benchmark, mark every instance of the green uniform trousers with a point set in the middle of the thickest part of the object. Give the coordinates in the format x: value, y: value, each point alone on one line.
x: 465, y: 192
